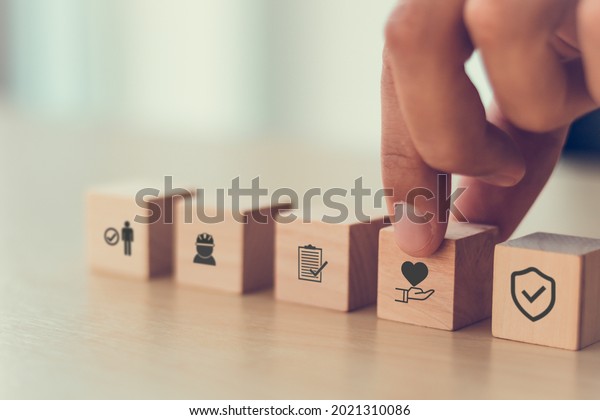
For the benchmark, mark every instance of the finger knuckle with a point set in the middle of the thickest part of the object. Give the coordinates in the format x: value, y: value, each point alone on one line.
x: 406, y: 26
x: 487, y: 21
x: 589, y: 13
x: 589, y: 16
x: 536, y: 119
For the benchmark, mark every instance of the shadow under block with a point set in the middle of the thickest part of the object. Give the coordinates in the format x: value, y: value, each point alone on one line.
x: 141, y: 250
x: 230, y: 256
x: 331, y: 266
x: 547, y: 290
x: 448, y: 290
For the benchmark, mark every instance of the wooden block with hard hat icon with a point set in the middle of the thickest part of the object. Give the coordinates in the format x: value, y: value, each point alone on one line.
x: 232, y: 254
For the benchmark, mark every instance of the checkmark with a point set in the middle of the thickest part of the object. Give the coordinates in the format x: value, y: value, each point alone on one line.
x: 316, y: 273
x: 111, y: 236
x: 536, y: 295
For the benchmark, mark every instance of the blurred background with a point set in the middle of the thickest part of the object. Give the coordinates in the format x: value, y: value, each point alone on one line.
x: 103, y: 90
x: 204, y: 69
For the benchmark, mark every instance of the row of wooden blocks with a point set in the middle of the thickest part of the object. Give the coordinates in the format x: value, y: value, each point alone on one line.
x: 542, y: 288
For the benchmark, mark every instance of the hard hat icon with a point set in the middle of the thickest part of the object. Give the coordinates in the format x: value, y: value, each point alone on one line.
x: 205, y: 239
x: 205, y: 245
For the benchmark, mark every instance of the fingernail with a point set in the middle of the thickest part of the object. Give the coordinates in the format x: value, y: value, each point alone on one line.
x: 411, y: 236
x: 500, y: 180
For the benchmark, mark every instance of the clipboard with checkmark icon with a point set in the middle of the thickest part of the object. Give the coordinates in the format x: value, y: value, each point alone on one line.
x: 310, y: 263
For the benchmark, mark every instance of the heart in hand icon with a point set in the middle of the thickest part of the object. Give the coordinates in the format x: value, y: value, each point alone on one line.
x: 414, y: 273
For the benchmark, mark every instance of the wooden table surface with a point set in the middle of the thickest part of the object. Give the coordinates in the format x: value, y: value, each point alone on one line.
x: 65, y: 333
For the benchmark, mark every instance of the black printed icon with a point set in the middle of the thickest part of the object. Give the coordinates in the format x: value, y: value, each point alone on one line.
x: 414, y: 274
x: 127, y: 237
x: 111, y: 236
x: 533, y: 292
x: 310, y: 265
x: 205, y: 245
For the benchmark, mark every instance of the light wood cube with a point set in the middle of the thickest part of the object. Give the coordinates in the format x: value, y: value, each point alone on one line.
x: 547, y: 290
x: 118, y: 243
x: 230, y: 256
x: 331, y: 266
x: 448, y: 290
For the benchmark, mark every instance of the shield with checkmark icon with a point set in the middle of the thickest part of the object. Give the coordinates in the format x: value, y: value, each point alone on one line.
x: 533, y: 292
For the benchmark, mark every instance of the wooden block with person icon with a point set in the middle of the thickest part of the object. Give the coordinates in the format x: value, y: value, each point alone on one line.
x: 329, y: 265
x: 547, y: 289
x: 127, y: 236
x: 233, y: 253
x: 448, y: 290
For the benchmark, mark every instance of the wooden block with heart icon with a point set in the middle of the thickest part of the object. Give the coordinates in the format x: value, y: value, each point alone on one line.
x: 448, y: 290
x: 329, y: 265
x: 547, y: 289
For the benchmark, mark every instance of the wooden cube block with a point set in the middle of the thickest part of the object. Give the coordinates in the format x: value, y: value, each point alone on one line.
x: 449, y: 290
x: 231, y: 256
x: 547, y: 289
x: 327, y: 265
x: 120, y: 241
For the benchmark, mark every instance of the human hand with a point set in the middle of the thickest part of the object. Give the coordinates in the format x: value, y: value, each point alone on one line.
x: 414, y: 293
x: 543, y: 61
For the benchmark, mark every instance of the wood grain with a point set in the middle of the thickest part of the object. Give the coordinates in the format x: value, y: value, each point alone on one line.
x: 82, y: 336
x: 349, y: 281
x: 152, y: 246
x: 459, y: 273
x: 364, y: 253
x: 243, y: 251
x: 162, y: 240
x: 573, y: 264
x: 67, y: 334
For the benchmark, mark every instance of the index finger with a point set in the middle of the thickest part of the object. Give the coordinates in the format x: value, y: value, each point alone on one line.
x: 403, y: 171
x: 444, y: 115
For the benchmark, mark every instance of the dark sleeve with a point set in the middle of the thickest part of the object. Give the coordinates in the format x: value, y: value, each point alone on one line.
x: 584, y: 135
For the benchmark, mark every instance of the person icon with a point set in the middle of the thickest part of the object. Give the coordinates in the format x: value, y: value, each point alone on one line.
x: 205, y: 245
x: 127, y: 237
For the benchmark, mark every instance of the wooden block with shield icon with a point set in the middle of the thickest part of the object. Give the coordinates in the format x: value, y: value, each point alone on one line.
x: 448, y: 290
x: 329, y: 265
x: 127, y: 236
x: 223, y: 249
x: 547, y: 289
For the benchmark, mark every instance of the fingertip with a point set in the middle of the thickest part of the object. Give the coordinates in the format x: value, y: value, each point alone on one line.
x: 418, y: 239
x: 508, y: 177
x: 501, y: 180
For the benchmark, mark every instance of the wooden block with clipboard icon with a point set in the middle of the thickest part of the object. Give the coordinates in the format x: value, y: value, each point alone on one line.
x: 310, y: 263
x: 328, y: 265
